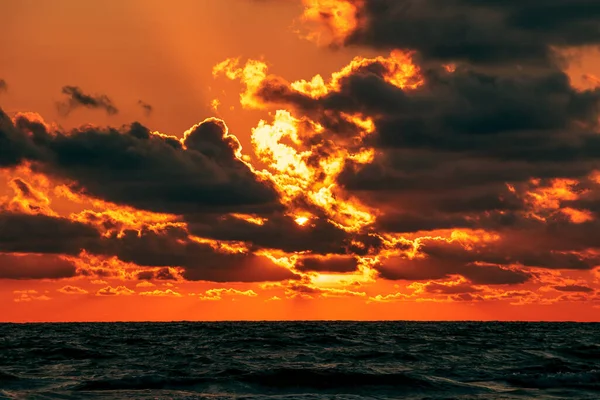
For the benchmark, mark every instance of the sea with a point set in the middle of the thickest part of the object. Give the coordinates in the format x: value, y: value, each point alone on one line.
x: 300, y: 360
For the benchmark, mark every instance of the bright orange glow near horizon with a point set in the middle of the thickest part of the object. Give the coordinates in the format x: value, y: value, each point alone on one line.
x: 289, y: 162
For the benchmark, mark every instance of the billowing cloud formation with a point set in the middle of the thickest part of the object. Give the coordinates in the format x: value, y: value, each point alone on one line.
x: 469, y: 152
x: 133, y: 166
x: 76, y: 98
x: 463, y: 166
x: 478, y: 32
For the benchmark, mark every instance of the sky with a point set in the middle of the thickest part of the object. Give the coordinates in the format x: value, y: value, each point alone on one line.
x: 300, y: 160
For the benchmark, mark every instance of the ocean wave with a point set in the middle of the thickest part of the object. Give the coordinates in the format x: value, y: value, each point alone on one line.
x: 582, y: 351
x: 72, y: 353
x: 147, y: 382
x: 487, y: 361
x: 573, y: 380
x: 331, y: 379
x: 6, y: 377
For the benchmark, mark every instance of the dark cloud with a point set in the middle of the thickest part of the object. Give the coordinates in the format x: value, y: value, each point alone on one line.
x: 135, y: 167
x: 494, y: 263
x: 433, y: 268
x: 331, y: 264
x: 281, y: 232
x: 212, y: 139
x: 481, y: 114
x: 3, y: 86
x: 460, y: 288
x: 200, y: 177
x: 574, y: 288
x: 200, y: 261
x: 146, y: 107
x: 14, y: 146
x: 35, y: 266
x: 447, y: 149
x: 24, y: 233
x: 491, y: 32
x: 515, y: 248
x: 76, y: 98
x: 163, y: 274
x: 168, y: 247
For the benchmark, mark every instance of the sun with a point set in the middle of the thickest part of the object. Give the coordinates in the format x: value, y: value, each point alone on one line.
x: 301, y: 221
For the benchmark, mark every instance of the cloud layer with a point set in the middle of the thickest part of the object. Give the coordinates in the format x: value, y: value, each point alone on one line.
x: 462, y: 165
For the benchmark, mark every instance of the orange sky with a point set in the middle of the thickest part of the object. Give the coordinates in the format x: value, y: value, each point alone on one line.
x: 174, y: 58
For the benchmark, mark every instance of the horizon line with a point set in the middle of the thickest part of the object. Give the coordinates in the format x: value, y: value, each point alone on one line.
x: 299, y: 321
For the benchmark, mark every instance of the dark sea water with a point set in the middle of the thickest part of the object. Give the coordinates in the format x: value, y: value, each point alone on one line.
x: 300, y: 360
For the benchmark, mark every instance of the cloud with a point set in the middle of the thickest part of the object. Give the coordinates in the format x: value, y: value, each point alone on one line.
x: 463, y: 162
x: 35, y: 266
x: 445, y: 288
x: 483, y: 33
x: 282, y: 232
x: 160, y: 293
x: 145, y: 284
x: 574, y: 288
x: 397, y: 268
x: 27, y: 199
x: 132, y: 166
x: 29, y: 295
x: 333, y: 264
x: 494, y: 128
x: 25, y: 233
x: 15, y: 148
x: 169, y: 252
x: 218, y: 294
x: 512, y: 152
x: 76, y: 98
x: 72, y: 290
x: 118, y: 291
x: 309, y: 292
x: 147, y: 108
x: 495, y: 262
x: 3, y: 86
x: 200, y: 261
x: 162, y: 274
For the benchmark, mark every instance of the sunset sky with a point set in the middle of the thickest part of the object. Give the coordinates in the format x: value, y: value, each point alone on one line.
x: 299, y: 159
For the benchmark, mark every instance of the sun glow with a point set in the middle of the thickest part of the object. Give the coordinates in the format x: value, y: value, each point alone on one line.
x: 303, y: 166
x: 301, y: 220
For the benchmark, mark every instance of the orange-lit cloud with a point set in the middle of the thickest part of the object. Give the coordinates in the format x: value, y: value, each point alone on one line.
x: 116, y: 291
x: 72, y: 290
x: 218, y: 294
x: 334, y: 19
x: 161, y: 293
x: 29, y: 295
